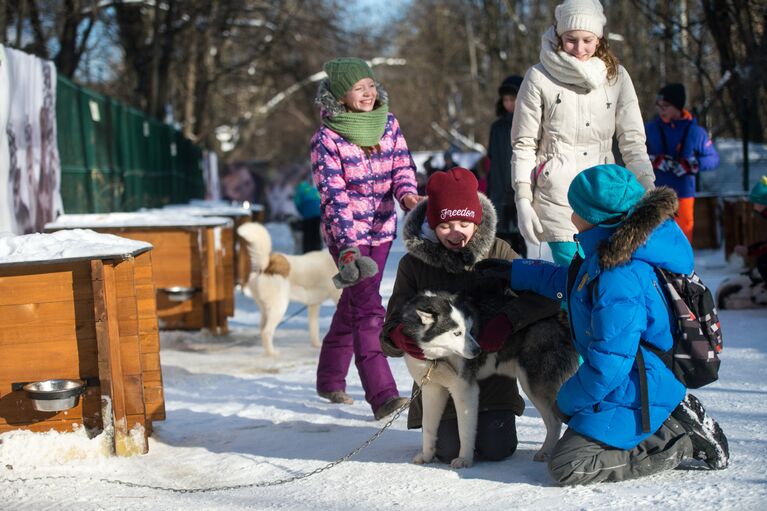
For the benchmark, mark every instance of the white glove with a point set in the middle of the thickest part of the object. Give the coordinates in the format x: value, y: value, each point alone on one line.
x: 528, y: 222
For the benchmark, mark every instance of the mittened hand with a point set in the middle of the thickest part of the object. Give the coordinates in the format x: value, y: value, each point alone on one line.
x: 528, y: 222
x: 499, y: 269
x: 494, y: 333
x: 659, y: 162
x: 405, y: 343
x: 665, y: 163
x: 353, y: 267
x: 688, y: 166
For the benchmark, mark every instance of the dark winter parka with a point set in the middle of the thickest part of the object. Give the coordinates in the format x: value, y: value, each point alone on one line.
x: 428, y: 265
x: 611, y: 314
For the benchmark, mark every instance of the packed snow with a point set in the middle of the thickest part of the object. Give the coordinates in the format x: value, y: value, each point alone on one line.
x: 156, y: 218
x: 235, y: 417
x: 66, y: 244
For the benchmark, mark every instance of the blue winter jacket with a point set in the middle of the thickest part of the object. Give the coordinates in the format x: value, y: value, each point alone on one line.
x: 696, y: 144
x: 608, y: 320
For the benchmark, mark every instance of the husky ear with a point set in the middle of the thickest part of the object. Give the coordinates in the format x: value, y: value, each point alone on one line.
x: 427, y: 318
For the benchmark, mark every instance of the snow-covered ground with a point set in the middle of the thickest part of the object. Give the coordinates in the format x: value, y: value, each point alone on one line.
x: 235, y: 417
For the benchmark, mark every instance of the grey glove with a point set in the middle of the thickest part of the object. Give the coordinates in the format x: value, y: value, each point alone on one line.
x: 353, y: 267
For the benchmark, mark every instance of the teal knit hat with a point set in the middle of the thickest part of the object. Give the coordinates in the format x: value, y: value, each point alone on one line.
x: 603, y: 193
x: 758, y: 193
x: 344, y: 72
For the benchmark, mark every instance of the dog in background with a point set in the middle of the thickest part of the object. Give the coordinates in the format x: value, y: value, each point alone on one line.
x: 745, y: 291
x: 540, y: 356
x: 277, y: 279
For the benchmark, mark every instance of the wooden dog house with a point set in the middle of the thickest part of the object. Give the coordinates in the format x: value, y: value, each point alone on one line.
x: 239, y: 263
x: 741, y: 227
x: 189, y: 255
x: 707, y: 221
x: 80, y: 305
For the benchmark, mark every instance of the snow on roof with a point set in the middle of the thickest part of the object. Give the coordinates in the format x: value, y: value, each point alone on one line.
x: 204, y: 210
x: 70, y: 244
x: 141, y: 219
x: 252, y: 206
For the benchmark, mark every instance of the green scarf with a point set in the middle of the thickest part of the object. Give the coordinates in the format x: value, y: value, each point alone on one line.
x: 364, y: 129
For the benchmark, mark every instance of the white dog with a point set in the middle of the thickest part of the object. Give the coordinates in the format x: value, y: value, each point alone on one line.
x: 277, y: 279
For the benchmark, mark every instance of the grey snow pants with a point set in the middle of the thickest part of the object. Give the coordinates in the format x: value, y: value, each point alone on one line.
x: 578, y: 459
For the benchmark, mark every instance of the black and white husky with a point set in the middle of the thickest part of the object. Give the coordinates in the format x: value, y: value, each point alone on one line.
x: 540, y: 356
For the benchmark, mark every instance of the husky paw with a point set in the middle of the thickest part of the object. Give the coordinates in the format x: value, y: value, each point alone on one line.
x: 541, y: 456
x: 272, y: 353
x: 461, y: 463
x: 422, y: 458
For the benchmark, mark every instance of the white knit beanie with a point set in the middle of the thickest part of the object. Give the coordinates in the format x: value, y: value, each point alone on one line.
x: 580, y: 15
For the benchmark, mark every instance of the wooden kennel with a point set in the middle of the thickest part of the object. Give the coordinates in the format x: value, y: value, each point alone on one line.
x: 707, y: 222
x: 83, y: 318
x: 194, y: 289
x: 239, y: 262
x: 741, y: 227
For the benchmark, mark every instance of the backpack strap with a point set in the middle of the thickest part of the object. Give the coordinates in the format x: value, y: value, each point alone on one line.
x: 682, y: 141
x: 644, y: 397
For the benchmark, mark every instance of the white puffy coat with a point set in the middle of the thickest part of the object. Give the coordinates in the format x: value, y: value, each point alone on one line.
x: 560, y: 130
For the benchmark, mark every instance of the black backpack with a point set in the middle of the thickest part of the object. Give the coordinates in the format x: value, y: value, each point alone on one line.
x: 694, y: 356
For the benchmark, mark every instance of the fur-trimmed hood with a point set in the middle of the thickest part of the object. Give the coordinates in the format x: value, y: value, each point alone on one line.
x: 433, y: 253
x: 329, y: 105
x: 650, y: 234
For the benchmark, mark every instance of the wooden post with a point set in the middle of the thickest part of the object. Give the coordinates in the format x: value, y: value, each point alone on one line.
x: 109, y: 356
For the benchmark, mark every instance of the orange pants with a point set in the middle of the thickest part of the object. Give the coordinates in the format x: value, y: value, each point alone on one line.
x: 684, y: 217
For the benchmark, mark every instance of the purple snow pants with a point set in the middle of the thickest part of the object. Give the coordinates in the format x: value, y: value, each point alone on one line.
x: 355, y: 330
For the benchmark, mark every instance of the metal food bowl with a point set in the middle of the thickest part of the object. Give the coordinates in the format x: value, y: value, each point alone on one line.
x: 54, y: 395
x: 179, y: 293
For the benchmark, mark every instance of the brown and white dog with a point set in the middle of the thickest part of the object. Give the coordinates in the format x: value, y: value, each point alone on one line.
x: 276, y: 279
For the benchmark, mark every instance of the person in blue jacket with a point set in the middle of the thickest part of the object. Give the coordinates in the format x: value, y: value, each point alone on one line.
x: 306, y: 197
x: 679, y: 148
x: 623, y: 233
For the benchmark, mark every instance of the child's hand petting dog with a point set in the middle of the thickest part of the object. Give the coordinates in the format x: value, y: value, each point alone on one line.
x: 353, y: 267
x: 405, y: 343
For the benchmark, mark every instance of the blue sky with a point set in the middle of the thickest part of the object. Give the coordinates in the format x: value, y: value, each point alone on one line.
x: 373, y: 13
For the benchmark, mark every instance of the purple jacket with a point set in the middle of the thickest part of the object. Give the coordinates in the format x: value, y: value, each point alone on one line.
x: 696, y: 144
x: 357, y: 191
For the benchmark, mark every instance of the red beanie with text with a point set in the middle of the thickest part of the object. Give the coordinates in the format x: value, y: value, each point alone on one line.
x: 452, y: 195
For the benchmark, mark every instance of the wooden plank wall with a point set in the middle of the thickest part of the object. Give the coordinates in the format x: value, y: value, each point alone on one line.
x: 90, y: 320
x: 176, y: 261
x: 741, y: 227
x: 47, y: 332
x: 137, y: 317
x: 708, y: 214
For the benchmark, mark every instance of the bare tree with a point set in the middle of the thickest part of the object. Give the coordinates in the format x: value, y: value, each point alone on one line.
x: 69, y: 22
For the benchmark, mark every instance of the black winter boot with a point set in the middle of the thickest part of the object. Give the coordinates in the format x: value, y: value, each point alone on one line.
x: 708, y: 441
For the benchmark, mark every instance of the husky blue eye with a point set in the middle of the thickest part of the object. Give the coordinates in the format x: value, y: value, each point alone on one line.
x: 458, y: 334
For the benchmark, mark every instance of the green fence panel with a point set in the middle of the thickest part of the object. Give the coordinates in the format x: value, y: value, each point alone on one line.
x: 190, y: 169
x: 120, y: 149
x: 75, y: 177
x: 136, y: 186
x: 116, y: 158
x: 105, y: 185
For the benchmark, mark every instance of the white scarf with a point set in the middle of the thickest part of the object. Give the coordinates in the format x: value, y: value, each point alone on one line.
x: 588, y: 74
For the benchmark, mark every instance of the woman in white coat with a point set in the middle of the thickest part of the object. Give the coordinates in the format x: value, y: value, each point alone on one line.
x: 568, y: 108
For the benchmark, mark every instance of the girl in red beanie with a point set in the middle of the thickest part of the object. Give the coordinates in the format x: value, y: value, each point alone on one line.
x: 444, y: 237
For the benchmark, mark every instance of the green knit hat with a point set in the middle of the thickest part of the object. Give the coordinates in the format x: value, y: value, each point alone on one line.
x: 344, y: 72
x: 758, y: 193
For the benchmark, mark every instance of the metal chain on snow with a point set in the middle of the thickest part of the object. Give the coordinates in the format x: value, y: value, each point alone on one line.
x: 265, y: 484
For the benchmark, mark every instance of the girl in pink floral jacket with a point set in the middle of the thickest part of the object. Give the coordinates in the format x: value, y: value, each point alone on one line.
x: 360, y: 164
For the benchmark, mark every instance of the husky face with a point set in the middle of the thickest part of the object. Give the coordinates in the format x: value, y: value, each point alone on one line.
x: 440, y: 327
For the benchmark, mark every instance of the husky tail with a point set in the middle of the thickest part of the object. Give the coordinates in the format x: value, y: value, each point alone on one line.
x: 259, y: 245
